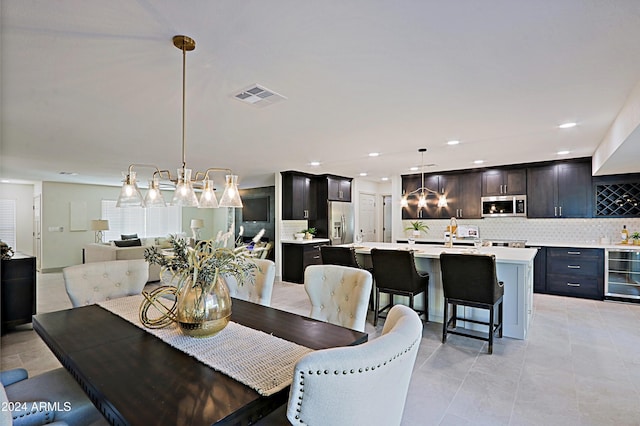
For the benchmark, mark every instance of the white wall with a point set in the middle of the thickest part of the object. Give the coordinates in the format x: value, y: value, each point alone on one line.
x: 23, y: 195
x: 61, y: 249
x: 361, y: 186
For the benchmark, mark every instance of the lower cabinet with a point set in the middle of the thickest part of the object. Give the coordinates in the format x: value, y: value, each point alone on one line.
x: 296, y: 258
x: 577, y: 272
x: 18, y: 294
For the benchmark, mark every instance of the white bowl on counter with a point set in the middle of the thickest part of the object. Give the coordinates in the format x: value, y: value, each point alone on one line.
x: 299, y: 236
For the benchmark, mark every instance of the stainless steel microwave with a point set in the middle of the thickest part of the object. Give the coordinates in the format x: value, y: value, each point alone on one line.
x: 504, y: 206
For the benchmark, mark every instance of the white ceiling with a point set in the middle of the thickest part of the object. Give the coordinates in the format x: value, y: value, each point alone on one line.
x: 92, y: 86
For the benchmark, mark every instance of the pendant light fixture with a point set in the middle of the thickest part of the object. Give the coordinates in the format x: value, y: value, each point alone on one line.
x: 423, y: 190
x: 184, y: 181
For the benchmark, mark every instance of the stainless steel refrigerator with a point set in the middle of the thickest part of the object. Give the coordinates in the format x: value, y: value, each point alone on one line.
x: 340, y: 222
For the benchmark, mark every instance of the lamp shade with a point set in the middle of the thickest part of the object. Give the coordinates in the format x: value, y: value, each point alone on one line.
x: 197, y: 223
x: 231, y: 196
x: 100, y: 225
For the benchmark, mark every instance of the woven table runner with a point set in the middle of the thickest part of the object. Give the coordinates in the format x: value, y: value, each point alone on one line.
x: 259, y: 360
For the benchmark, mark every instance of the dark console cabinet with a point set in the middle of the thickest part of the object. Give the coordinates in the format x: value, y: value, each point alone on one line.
x: 296, y: 258
x: 18, y: 290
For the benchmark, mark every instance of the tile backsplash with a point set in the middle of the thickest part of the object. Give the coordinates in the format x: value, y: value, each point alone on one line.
x: 540, y: 230
x: 290, y: 227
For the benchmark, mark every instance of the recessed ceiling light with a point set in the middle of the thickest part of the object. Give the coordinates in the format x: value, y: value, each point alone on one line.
x: 69, y: 173
x: 314, y: 163
x: 567, y: 125
x: 374, y: 154
x: 5, y: 181
x: 563, y: 152
x: 478, y: 162
x: 363, y: 174
x: 414, y: 169
x: 384, y: 178
x: 453, y: 142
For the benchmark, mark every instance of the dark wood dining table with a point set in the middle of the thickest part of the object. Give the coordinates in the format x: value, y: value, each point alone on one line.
x: 134, y: 378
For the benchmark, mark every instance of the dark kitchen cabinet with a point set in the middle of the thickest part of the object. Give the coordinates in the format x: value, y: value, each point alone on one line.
x: 466, y: 203
x: 504, y: 182
x: 540, y: 270
x: 576, y: 272
x: 462, y: 191
x: 560, y: 190
x: 338, y: 188
x: 296, y: 258
x: 18, y: 290
x: 298, y: 196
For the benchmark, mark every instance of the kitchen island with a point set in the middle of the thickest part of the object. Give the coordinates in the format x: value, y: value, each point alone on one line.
x: 514, y: 268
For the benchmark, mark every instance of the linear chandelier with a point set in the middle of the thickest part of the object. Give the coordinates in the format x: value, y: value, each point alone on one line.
x: 184, y: 194
x: 423, y: 190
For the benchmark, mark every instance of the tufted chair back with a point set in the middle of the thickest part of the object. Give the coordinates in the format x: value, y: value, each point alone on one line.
x: 338, y: 294
x: 98, y: 281
x: 259, y: 291
x: 358, y: 385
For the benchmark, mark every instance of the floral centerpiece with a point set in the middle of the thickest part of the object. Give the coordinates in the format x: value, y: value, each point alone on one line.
x: 203, y: 304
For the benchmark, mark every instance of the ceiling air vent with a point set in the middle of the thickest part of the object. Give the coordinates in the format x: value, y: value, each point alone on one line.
x: 258, y: 96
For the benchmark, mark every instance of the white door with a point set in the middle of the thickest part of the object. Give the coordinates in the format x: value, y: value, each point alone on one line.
x: 37, y: 231
x: 367, y: 216
x: 386, y: 218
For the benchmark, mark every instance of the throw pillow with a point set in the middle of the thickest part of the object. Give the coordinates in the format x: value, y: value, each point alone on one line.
x: 128, y: 243
x: 128, y: 236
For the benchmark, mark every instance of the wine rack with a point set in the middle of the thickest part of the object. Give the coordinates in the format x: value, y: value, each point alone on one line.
x: 618, y: 199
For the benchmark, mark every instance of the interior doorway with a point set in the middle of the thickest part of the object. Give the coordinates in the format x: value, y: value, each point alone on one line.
x: 37, y: 232
x: 367, y: 216
x: 386, y: 218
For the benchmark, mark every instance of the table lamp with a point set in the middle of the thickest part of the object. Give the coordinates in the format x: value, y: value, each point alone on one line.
x: 99, y: 225
x: 196, y: 225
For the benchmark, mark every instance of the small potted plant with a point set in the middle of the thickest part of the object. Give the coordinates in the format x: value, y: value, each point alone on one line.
x: 416, y: 228
x: 309, y: 233
x: 636, y: 238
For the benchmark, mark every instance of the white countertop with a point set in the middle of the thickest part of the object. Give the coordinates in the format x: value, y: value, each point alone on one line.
x: 304, y: 241
x: 503, y: 254
x: 585, y: 244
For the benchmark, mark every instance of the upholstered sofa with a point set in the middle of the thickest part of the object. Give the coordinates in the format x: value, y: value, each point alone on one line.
x: 104, y: 252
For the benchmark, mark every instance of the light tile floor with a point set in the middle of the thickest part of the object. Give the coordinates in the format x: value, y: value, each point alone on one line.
x: 579, y: 366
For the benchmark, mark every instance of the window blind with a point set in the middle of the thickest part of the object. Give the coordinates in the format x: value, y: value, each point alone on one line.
x: 147, y: 223
x: 8, y: 222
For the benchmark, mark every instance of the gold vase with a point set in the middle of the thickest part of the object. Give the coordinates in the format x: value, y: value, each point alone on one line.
x: 203, y: 313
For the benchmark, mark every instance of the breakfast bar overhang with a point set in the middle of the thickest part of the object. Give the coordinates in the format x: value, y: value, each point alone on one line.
x: 514, y: 267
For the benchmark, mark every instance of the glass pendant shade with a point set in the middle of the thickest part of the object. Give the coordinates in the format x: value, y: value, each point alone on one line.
x: 422, y: 201
x: 154, y: 196
x: 184, y: 194
x: 404, y: 202
x: 130, y: 195
x: 442, y: 201
x: 231, y: 196
x: 208, y: 198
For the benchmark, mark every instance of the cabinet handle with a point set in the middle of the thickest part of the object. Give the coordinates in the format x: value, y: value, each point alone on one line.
x: 561, y: 211
x: 318, y: 257
x: 340, y: 194
x: 573, y: 285
x: 573, y: 266
x: 555, y: 211
x: 505, y: 189
x: 574, y: 253
x: 501, y: 189
x: 305, y: 214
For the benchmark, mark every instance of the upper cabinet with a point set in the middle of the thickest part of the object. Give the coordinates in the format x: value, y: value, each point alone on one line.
x: 298, y: 196
x: 560, y: 190
x: 617, y: 195
x: 338, y: 188
x: 504, y: 182
x: 462, y: 191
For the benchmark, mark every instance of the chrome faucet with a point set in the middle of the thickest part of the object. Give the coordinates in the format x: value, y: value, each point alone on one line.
x: 452, y: 221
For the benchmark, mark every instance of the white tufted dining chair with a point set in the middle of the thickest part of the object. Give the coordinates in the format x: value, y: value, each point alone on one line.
x: 98, y: 281
x: 355, y: 385
x: 338, y: 294
x: 260, y: 289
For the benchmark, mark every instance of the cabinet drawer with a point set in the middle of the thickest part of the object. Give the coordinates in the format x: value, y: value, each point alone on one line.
x: 573, y: 253
x: 575, y: 267
x: 577, y: 286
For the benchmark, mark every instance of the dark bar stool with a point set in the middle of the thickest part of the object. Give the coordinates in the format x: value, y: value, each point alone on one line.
x: 471, y: 280
x: 344, y: 256
x: 395, y: 273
